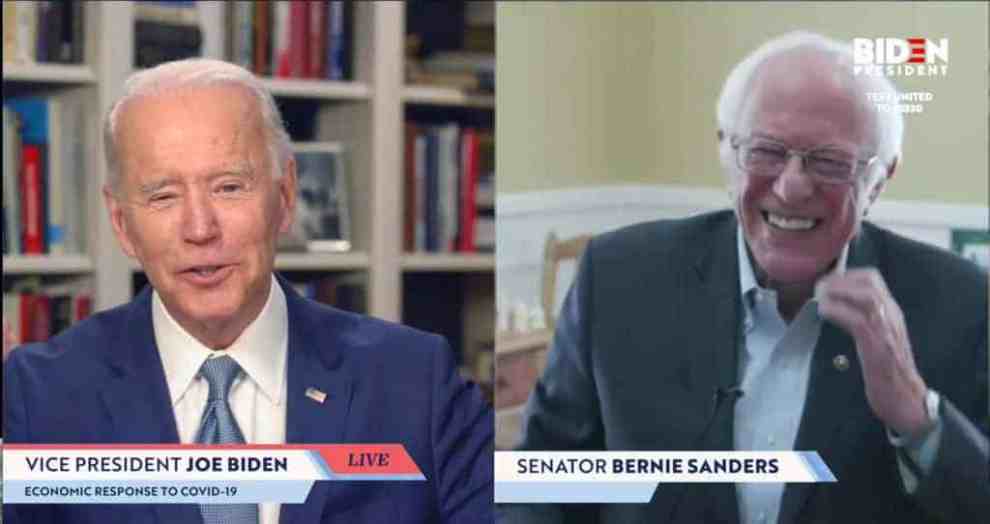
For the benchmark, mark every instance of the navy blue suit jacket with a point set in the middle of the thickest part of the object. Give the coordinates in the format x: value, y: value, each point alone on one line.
x: 102, y: 382
x: 650, y: 330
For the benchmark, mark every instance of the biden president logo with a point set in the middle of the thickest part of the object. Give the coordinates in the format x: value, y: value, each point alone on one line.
x: 900, y: 56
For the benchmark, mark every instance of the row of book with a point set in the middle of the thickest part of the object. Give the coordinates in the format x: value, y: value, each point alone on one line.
x: 49, y: 31
x: 43, y: 155
x: 165, y: 31
x: 35, y: 315
x: 449, y: 189
x: 451, y: 44
x: 342, y: 291
x: 292, y: 39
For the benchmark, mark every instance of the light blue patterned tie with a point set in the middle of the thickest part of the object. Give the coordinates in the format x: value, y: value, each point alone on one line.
x: 217, y: 426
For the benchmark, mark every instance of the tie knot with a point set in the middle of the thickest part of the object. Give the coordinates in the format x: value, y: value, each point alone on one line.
x: 220, y: 373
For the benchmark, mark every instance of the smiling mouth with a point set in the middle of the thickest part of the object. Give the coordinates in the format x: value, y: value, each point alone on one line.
x: 789, y: 223
x: 204, y: 271
x: 207, y: 275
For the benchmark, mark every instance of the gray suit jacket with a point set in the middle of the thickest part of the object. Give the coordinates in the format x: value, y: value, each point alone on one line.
x: 650, y: 329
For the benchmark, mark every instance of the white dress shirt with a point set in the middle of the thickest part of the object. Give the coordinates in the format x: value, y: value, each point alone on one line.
x: 775, y: 367
x: 257, y: 396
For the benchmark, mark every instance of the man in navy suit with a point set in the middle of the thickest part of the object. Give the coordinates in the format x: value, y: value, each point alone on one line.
x: 202, y: 181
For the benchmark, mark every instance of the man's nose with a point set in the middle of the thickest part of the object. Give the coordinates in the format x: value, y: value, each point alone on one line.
x: 200, y: 223
x: 793, y: 185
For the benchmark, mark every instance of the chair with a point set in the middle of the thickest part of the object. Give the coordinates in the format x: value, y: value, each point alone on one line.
x: 556, y: 251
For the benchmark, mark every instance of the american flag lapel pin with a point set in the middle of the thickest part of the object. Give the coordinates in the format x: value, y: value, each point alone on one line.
x: 316, y: 394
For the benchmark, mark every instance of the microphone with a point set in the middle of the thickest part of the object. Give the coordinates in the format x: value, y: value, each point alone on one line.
x: 719, y: 397
x: 733, y: 392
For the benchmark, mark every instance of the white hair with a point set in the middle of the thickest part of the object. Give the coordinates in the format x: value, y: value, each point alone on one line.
x: 196, y: 72
x: 889, y: 125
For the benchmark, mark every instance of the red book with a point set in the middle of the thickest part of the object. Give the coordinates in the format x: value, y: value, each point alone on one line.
x: 82, y: 307
x: 27, y: 317
x: 41, y: 323
x: 298, y: 39
x: 317, y: 39
x: 32, y: 203
x: 469, y: 189
x: 409, y: 172
x: 262, y: 35
x: 281, y: 38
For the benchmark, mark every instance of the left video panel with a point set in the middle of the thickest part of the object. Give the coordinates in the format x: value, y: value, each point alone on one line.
x: 248, y: 261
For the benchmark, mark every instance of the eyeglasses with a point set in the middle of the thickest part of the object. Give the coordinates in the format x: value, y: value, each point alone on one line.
x: 768, y: 158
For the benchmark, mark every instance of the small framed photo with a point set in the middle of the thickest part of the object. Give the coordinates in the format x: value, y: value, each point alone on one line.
x: 973, y: 244
x: 322, y: 222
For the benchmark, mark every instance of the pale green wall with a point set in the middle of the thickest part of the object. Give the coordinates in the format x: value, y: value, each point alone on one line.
x: 624, y: 93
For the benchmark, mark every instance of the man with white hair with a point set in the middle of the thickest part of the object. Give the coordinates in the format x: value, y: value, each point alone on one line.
x: 219, y: 349
x: 788, y: 324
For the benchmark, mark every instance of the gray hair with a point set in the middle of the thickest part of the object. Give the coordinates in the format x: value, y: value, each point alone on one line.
x: 196, y: 72
x: 889, y: 125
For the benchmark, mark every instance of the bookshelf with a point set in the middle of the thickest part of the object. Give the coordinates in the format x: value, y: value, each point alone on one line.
x: 367, y: 114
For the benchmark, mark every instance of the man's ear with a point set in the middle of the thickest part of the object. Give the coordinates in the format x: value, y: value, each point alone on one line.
x: 879, y: 186
x: 882, y: 183
x: 116, y: 209
x: 287, y: 195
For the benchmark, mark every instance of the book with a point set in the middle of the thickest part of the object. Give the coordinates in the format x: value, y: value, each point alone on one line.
x: 170, y: 12
x: 448, y: 186
x: 262, y: 37
x: 11, y: 186
x: 432, y: 186
x: 32, y: 204
x: 56, y: 125
x: 43, y: 35
x: 73, y: 38
x: 339, y: 34
x: 26, y: 17
x: 12, y: 315
x: 421, y: 209
x: 409, y: 188
x: 469, y: 185
x: 280, y: 30
x: 299, y: 38
x: 10, y: 33
x: 317, y: 49
x: 240, y: 32
x: 67, y: 214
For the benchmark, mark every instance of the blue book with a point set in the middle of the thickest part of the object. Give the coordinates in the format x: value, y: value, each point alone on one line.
x: 337, y: 40
x: 33, y: 115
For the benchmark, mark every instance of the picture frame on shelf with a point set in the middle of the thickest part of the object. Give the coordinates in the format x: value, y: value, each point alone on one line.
x: 322, y: 222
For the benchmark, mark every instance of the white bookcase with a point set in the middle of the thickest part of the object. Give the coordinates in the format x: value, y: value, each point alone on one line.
x: 367, y: 114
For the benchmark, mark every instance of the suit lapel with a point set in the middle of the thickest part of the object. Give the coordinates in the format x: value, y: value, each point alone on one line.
x: 313, y: 363
x: 137, y: 399
x: 713, y: 366
x: 831, y: 390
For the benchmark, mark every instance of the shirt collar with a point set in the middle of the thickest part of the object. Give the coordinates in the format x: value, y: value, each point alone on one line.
x: 260, y: 350
x: 747, y: 277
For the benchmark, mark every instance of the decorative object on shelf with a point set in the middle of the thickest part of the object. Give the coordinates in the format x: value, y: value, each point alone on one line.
x: 322, y: 221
